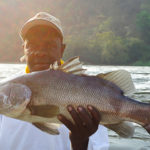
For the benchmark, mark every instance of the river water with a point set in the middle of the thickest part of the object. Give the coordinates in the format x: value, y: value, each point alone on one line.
x: 141, y: 79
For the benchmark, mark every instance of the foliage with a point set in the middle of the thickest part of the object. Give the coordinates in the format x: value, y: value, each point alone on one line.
x: 105, y: 32
x: 143, y: 24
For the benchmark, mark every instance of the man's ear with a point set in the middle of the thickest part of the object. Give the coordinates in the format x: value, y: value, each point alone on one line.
x: 22, y: 59
x: 23, y: 44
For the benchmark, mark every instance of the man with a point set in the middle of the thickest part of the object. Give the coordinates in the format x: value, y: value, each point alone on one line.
x: 43, y: 44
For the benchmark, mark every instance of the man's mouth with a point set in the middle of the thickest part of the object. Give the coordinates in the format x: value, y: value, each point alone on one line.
x: 42, y: 64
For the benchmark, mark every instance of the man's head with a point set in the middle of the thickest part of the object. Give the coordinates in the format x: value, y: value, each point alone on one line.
x: 42, y: 41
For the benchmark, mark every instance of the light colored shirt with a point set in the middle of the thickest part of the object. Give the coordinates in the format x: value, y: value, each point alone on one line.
x: 20, y: 135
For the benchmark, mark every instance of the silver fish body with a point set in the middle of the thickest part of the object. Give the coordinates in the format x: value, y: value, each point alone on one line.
x: 58, y: 89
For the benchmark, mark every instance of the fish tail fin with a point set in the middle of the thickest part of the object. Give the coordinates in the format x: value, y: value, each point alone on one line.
x: 147, y: 128
x: 140, y: 113
x: 124, y: 129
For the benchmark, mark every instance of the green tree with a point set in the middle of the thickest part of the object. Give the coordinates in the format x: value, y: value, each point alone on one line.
x: 112, y: 48
x: 143, y: 25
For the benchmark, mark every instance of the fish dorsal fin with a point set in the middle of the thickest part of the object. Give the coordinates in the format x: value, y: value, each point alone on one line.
x: 121, y: 78
x: 73, y: 66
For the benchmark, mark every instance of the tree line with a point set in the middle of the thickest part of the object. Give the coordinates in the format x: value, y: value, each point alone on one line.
x: 103, y: 32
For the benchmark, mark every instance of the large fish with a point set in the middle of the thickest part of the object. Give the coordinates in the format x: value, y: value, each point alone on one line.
x: 40, y: 96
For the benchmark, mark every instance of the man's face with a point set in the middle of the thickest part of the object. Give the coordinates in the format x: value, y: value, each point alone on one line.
x: 42, y: 47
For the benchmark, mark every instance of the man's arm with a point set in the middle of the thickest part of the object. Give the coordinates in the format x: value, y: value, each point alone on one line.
x: 85, y: 125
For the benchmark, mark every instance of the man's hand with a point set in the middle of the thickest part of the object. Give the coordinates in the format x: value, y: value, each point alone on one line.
x: 86, y: 123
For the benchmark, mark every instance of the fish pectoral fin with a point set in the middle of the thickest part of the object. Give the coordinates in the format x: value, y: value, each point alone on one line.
x: 124, y: 129
x: 47, y: 127
x: 121, y: 78
x: 44, y: 110
x: 73, y: 66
